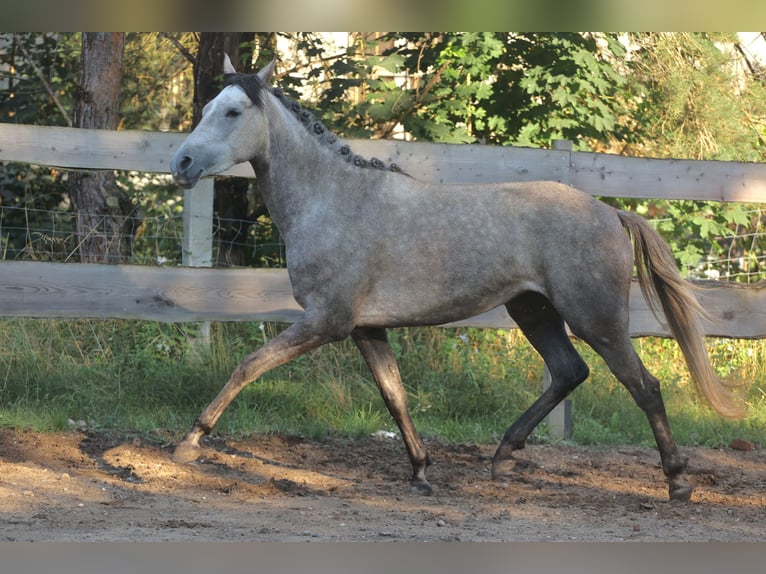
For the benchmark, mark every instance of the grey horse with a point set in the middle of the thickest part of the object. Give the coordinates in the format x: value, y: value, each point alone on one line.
x: 370, y: 248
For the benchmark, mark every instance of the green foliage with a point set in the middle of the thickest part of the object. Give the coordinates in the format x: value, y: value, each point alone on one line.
x: 562, y: 86
x: 688, y: 96
x: 701, y: 232
x: 708, y: 239
x: 692, y: 99
x: 39, y: 88
x: 498, y: 88
x: 157, y: 84
x: 25, y: 61
x: 39, y: 77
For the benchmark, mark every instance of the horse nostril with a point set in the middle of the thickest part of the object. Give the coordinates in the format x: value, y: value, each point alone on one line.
x: 185, y: 163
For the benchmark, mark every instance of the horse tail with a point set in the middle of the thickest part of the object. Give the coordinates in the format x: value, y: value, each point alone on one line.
x: 661, y: 282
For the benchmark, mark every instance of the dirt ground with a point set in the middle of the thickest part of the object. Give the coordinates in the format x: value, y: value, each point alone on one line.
x: 83, y: 485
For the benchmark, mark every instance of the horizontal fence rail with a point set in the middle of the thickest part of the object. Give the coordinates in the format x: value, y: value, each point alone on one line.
x: 601, y: 174
x: 178, y: 294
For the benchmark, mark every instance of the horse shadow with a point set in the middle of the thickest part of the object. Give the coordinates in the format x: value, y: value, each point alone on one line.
x: 215, y: 461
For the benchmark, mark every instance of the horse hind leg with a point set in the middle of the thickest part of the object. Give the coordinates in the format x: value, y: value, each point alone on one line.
x: 377, y: 352
x: 625, y: 364
x: 544, y: 328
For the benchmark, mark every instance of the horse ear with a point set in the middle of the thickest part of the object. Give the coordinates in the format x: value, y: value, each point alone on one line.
x: 266, y: 72
x: 228, y: 67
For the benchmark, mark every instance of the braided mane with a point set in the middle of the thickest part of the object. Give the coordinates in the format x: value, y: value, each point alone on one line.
x: 252, y: 85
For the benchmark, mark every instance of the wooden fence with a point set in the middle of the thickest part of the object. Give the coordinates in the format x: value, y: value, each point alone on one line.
x: 178, y: 294
x: 36, y: 289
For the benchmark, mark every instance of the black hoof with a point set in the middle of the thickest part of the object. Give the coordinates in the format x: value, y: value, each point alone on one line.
x: 421, y: 487
x: 681, y: 492
x: 503, y: 469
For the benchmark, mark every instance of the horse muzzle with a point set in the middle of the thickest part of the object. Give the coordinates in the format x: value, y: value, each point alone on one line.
x: 184, y: 171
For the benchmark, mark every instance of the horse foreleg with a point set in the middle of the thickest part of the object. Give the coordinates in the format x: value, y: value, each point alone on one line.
x: 291, y: 343
x: 377, y: 352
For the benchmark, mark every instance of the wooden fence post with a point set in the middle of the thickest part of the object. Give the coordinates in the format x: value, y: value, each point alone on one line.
x: 560, y: 418
x: 197, y: 243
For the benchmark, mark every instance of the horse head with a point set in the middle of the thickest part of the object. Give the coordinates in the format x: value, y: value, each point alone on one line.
x: 233, y: 128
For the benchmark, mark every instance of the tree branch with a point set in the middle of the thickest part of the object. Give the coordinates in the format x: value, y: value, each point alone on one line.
x: 180, y: 47
x: 46, y: 85
x: 743, y: 54
x: 388, y: 129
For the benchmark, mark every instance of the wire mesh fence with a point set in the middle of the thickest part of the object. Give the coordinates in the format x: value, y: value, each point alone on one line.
x: 738, y: 255
x: 49, y: 235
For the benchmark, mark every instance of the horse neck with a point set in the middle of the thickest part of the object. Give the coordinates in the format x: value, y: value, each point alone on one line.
x: 289, y: 170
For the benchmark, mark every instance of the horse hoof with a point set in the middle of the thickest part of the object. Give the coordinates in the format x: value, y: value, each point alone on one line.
x: 682, y: 492
x: 421, y: 488
x: 503, y: 469
x: 186, y: 452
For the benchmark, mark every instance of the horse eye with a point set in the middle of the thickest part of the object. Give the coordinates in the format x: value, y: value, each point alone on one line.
x: 232, y: 113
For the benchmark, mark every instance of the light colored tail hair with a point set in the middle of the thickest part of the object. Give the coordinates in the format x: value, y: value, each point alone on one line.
x: 660, y: 282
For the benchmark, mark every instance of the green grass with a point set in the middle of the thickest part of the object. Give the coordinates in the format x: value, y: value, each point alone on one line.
x: 464, y: 385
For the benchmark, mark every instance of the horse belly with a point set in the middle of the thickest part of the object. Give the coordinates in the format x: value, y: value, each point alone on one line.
x: 400, y: 304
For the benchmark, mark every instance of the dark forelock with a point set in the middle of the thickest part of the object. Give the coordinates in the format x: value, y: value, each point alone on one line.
x: 250, y: 83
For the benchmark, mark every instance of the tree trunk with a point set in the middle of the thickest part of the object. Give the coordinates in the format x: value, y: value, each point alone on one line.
x: 102, y: 211
x: 233, y: 217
